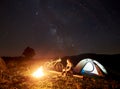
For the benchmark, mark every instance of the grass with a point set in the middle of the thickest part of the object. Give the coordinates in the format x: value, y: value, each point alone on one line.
x: 18, y: 76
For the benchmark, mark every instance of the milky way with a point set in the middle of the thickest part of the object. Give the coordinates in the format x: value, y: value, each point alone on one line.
x: 59, y: 27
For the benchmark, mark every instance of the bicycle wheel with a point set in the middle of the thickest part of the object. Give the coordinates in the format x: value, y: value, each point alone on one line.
x: 46, y: 65
x: 58, y: 67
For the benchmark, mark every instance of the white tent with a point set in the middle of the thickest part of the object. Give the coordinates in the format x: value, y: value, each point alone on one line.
x: 90, y: 67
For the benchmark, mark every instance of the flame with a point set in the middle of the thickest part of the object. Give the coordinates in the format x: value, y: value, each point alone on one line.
x: 38, y: 73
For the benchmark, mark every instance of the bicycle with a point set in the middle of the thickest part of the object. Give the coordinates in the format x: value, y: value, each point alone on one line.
x: 53, y: 65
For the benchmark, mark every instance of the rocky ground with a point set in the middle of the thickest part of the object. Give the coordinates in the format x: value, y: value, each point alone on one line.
x: 18, y: 76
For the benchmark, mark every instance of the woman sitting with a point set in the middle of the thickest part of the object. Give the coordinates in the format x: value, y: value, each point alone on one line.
x: 68, y: 70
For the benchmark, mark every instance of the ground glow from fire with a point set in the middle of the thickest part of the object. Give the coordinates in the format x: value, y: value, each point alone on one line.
x: 38, y: 73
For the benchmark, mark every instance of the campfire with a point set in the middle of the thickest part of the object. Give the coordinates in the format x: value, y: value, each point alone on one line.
x: 38, y: 73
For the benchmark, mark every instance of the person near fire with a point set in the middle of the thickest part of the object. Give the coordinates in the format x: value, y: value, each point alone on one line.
x: 68, y: 70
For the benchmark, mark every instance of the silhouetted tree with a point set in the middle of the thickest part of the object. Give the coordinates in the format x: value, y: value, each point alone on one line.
x: 28, y: 52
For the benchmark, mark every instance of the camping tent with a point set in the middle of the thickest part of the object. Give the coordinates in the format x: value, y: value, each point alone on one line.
x: 90, y: 67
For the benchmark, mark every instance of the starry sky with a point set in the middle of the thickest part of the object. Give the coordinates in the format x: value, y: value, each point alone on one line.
x: 59, y: 27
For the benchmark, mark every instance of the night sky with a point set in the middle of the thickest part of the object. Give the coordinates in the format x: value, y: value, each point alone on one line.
x: 59, y: 27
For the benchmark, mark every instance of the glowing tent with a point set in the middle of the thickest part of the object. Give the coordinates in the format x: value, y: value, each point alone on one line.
x: 90, y: 67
